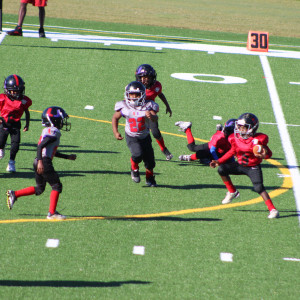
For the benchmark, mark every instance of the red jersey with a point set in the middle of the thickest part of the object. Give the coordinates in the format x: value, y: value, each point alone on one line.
x: 243, y: 149
x: 153, y: 91
x: 12, y: 111
x: 219, y: 141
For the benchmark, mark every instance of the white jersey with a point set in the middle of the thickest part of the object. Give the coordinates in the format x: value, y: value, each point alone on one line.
x: 137, y: 124
x: 50, y: 149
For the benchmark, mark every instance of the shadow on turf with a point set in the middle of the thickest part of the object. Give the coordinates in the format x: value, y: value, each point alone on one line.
x: 295, y: 213
x: 69, y: 283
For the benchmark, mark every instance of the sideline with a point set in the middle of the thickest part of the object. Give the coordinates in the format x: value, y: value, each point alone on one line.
x: 286, y: 185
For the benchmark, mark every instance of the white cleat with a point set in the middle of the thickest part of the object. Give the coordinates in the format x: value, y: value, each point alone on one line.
x: 274, y: 213
x: 11, y: 199
x: 183, y: 125
x: 230, y: 196
x: 55, y: 216
x: 185, y: 157
x: 2, y: 153
x: 11, y: 166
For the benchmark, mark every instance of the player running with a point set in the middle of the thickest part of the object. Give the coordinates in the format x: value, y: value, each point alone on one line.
x: 248, y: 163
x: 147, y: 76
x: 139, y: 114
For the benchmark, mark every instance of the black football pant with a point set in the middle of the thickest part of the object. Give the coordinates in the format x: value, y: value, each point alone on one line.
x: 15, y: 137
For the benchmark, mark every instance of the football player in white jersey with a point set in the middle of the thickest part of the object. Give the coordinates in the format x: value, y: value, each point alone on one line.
x: 138, y: 114
x: 54, y: 118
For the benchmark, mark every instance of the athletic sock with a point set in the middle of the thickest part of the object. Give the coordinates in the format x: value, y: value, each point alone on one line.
x: 161, y: 143
x: 25, y: 192
x: 134, y: 165
x: 53, y: 201
x: 194, y: 156
x: 270, y: 204
x: 189, y: 136
x: 149, y: 173
x: 230, y: 187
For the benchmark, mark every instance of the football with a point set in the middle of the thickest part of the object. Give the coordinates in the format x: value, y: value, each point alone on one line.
x: 257, y: 149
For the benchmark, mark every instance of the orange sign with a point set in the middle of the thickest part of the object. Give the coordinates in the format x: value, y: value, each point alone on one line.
x: 258, y: 41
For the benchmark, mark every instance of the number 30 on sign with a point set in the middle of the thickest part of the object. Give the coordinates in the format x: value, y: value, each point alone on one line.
x: 258, y: 41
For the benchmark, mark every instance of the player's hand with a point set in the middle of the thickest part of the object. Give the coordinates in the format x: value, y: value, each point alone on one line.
x: 40, y: 167
x: 263, y: 154
x: 72, y: 156
x: 168, y: 110
x: 25, y: 129
x: 213, y: 164
x: 118, y: 136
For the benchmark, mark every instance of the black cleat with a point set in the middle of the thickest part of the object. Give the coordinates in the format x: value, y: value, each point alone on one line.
x: 16, y: 32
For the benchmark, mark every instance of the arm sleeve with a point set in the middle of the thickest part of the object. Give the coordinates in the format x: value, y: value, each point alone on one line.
x: 213, y: 151
x: 46, y: 141
x: 61, y: 155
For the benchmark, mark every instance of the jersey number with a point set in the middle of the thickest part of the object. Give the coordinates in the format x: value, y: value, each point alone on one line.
x: 245, y: 160
x: 137, y: 125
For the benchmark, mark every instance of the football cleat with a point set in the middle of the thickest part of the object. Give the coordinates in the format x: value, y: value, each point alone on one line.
x: 230, y: 196
x: 150, y: 181
x: 42, y: 33
x: 11, y: 199
x: 135, y: 176
x: 185, y: 157
x: 274, y: 213
x: 16, y: 32
x: 2, y: 153
x: 167, y: 154
x: 11, y: 166
x: 183, y: 125
x: 55, y: 216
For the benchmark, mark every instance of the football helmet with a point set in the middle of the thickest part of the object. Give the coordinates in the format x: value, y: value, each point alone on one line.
x: 229, y: 126
x: 246, y: 125
x: 138, y: 89
x: 55, y: 116
x: 14, y: 87
x: 146, y: 70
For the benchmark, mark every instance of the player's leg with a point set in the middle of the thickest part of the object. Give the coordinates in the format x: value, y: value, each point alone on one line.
x: 15, y: 136
x: 256, y: 177
x: 22, y: 13
x: 224, y: 171
x: 3, y: 138
x: 160, y: 140
x: 149, y: 161
x: 136, y: 151
x: 42, y: 14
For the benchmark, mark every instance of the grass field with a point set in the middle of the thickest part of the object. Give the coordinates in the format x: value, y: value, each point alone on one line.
x: 180, y: 223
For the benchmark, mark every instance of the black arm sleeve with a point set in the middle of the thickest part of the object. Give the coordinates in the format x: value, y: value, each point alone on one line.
x: 46, y: 141
x: 61, y: 155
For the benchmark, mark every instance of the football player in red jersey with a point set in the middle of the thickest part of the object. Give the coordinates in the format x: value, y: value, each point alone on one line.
x: 55, y: 119
x: 242, y: 143
x: 215, y: 148
x: 147, y: 76
x: 13, y: 103
x: 138, y: 114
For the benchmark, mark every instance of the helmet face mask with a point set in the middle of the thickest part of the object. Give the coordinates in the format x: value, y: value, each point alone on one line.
x: 135, y: 94
x: 55, y: 116
x: 246, y: 126
x: 14, y: 87
x: 146, y: 75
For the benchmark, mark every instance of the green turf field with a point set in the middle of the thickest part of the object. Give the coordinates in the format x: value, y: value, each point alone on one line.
x: 181, y: 223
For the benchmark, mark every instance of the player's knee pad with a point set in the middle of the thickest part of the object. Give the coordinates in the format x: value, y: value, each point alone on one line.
x: 57, y: 187
x: 258, y: 187
x: 39, y: 189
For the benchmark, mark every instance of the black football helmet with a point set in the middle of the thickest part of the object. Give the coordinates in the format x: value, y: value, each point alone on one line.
x: 146, y: 70
x: 55, y: 116
x: 14, y: 87
x: 248, y: 120
x: 229, y: 126
x: 135, y: 87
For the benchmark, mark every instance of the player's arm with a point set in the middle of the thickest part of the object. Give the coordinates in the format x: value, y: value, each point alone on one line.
x: 27, y: 120
x: 213, y: 151
x: 115, y: 124
x: 165, y: 101
x: 65, y: 156
x: 151, y: 115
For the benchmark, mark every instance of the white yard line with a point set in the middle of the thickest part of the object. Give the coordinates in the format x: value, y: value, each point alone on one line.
x: 2, y: 36
x: 283, y: 132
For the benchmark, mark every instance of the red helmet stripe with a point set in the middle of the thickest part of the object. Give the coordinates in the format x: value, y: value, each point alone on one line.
x: 49, y: 112
x: 17, y: 79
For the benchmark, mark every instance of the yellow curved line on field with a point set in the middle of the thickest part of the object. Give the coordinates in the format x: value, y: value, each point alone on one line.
x: 286, y: 185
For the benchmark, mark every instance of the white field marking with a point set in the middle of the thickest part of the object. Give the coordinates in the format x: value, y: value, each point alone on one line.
x: 138, y: 250
x: 298, y: 83
x: 291, y: 258
x: 52, y: 243
x: 277, y: 124
x: 283, y: 132
x: 160, y: 44
x: 151, y: 35
x: 2, y: 36
x: 225, y: 256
